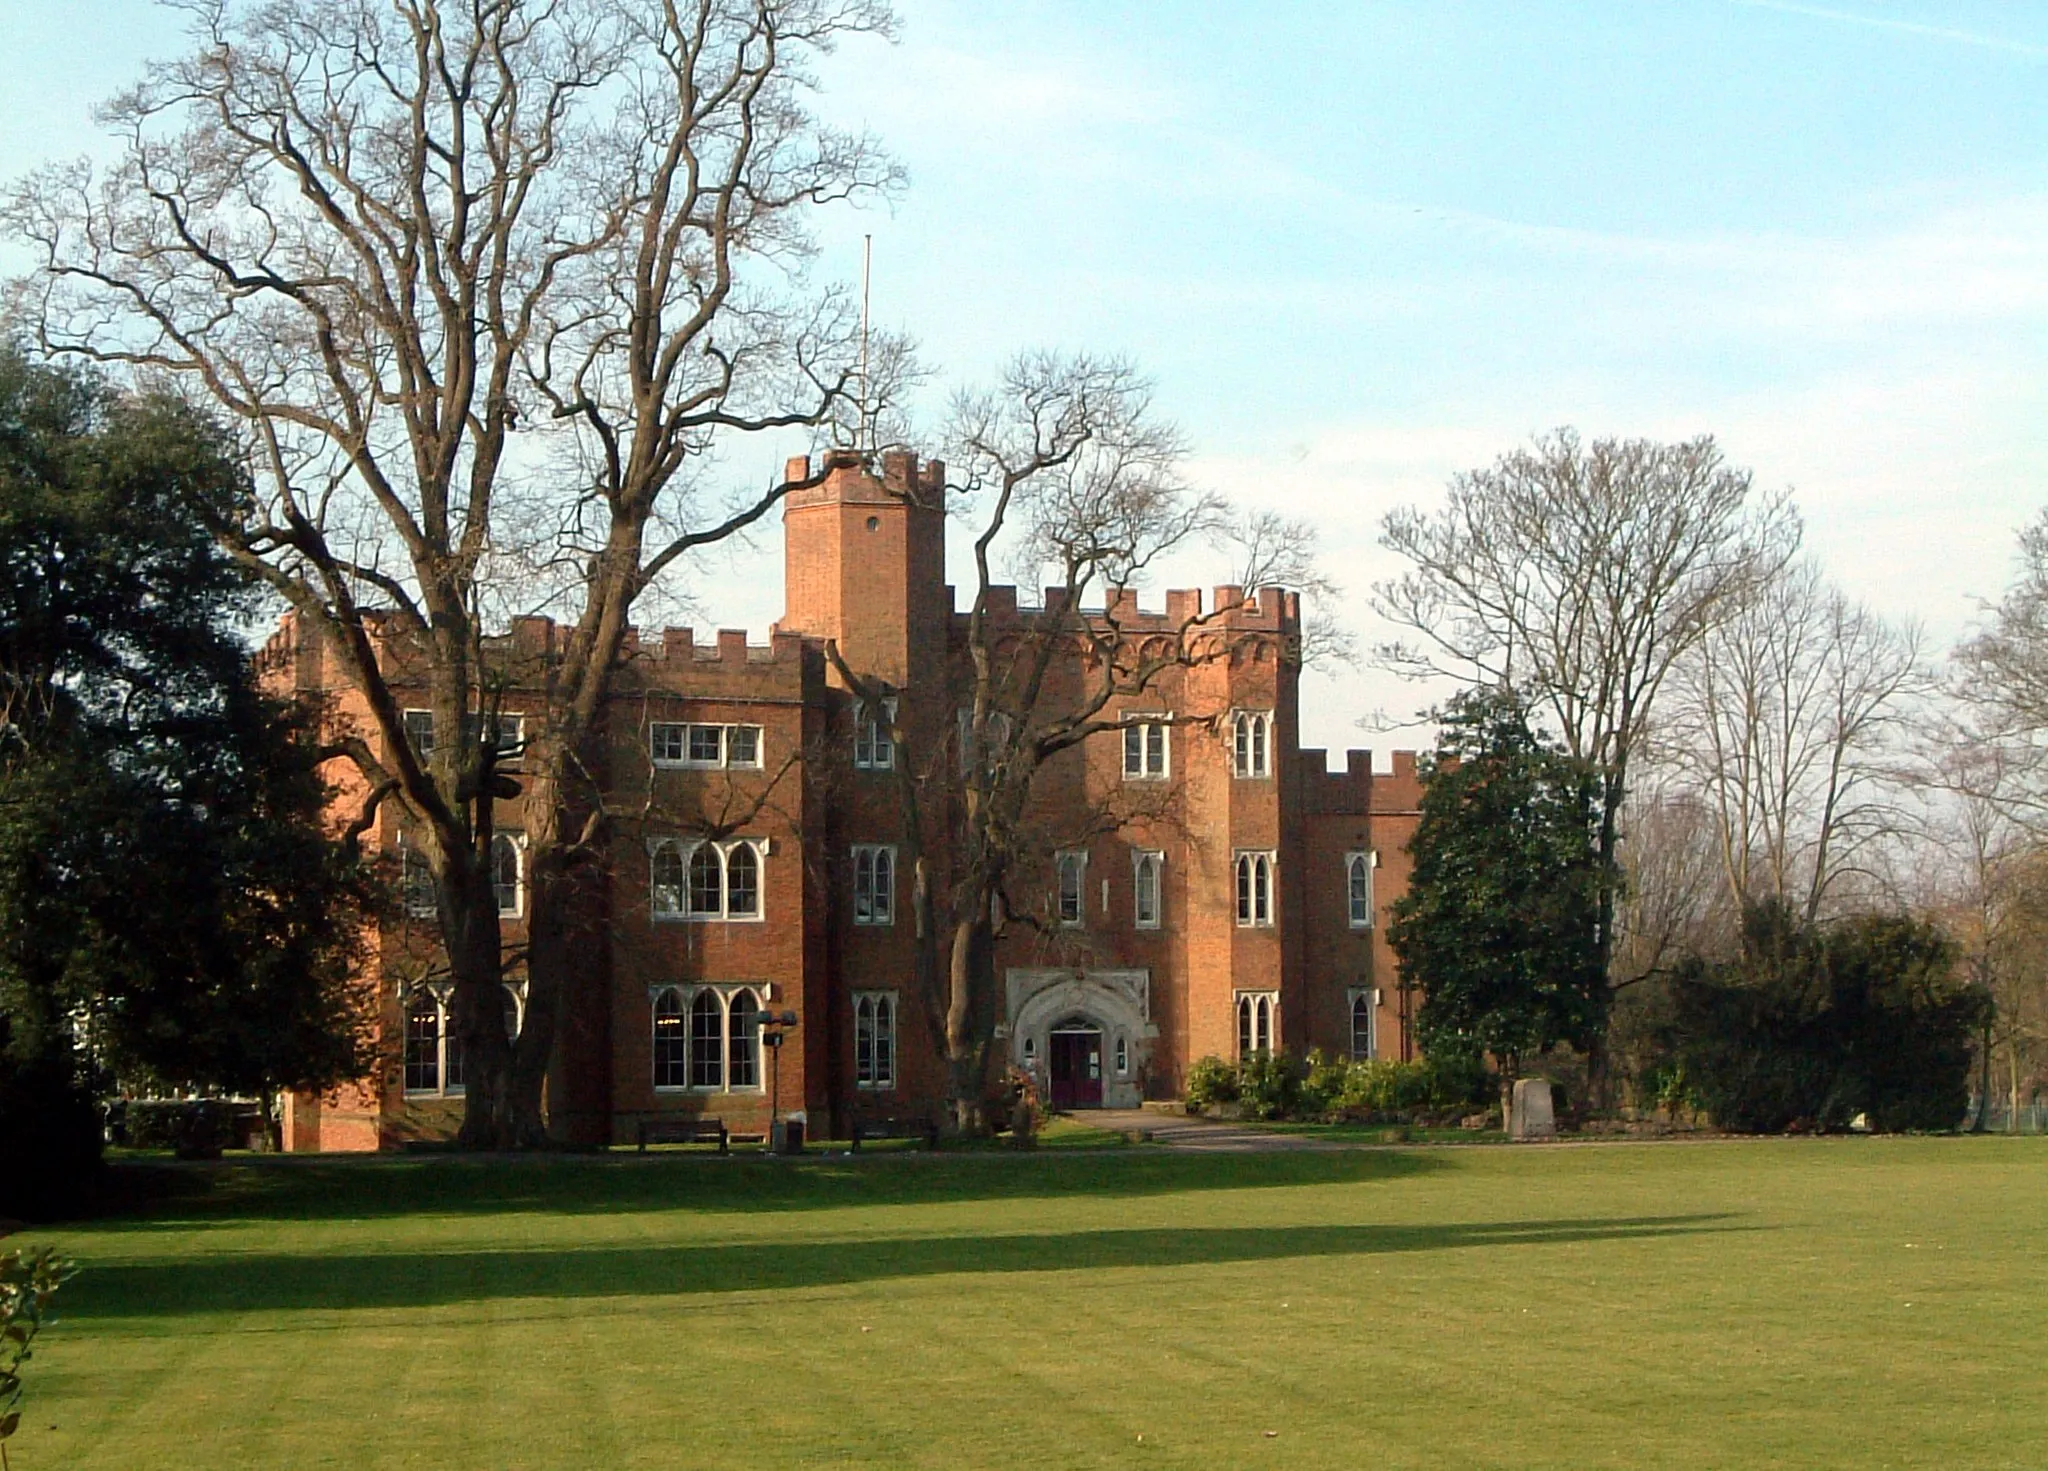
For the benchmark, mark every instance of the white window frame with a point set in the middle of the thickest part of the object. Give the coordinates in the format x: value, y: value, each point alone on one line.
x: 1123, y: 1055
x: 419, y: 733
x: 874, y: 894
x: 1151, y: 737
x: 416, y: 878
x: 686, y: 850
x: 1254, y: 897
x: 874, y: 740
x: 1370, y: 995
x: 1359, y: 863
x: 1251, y: 744
x: 1072, y: 861
x: 878, y: 1075
x: 516, y: 842
x: 1258, y: 1022
x: 684, y: 732
x: 687, y: 993
x: 508, y: 736
x: 407, y: 1000
x: 1141, y: 859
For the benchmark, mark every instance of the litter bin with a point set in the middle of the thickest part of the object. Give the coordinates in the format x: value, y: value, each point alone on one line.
x: 787, y: 1137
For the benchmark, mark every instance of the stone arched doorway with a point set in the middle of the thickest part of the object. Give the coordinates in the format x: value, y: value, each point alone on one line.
x: 1085, y: 1035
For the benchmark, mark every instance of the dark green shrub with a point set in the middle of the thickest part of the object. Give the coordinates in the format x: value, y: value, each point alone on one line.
x: 1813, y: 1026
x: 197, y: 1128
x: 1269, y: 1085
x: 1211, y: 1081
x: 1322, y: 1089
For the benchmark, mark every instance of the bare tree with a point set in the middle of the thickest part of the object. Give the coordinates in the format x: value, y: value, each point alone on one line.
x: 433, y: 260
x: 1073, y: 484
x: 1581, y: 573
x: 1791, y: 718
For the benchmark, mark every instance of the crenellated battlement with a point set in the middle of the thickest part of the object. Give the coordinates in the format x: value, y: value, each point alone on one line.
x: 851, y: 478
x: 1358, y: 790
x: 1268, y: 610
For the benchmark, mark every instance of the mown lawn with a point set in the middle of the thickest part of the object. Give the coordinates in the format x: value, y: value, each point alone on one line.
x: 1862, y: 1302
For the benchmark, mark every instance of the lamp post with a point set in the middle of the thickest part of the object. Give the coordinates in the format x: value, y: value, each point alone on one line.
x: 775, y: 1026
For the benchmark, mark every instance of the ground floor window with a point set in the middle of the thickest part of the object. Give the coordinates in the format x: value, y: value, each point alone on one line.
x: 433, y: 1052
x: 1256, y: 1013
x: 707, y: 1038
x: 1365, y: 1002
x: 874, y: 1039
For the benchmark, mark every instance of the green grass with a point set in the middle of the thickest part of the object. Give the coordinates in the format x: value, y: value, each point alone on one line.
x: 1861, y: 1303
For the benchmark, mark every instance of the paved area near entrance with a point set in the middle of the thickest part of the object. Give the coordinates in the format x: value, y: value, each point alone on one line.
x: 1182, y: 1132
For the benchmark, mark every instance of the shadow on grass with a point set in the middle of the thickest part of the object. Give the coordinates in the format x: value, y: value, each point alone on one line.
x: 281, y: 1282
x: 380, y: 1186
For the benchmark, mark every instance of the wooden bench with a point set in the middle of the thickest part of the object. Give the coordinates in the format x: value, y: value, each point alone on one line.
x: 923, y: 1129
x: 679, y: 1130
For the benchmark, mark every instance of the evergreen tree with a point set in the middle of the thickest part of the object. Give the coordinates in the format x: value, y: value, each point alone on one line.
x: 1500, y: 925
x: 168, y: 895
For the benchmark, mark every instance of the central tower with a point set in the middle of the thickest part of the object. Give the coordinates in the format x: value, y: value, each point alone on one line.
x: 864, y: 563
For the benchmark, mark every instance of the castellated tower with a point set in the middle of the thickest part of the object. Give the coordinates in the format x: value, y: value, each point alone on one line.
x: 865, y: 562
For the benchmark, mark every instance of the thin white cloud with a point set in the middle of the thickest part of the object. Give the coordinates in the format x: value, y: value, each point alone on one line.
x: 1902, y: 27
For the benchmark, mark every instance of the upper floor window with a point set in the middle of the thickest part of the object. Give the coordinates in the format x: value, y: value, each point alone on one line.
x: 707, y: 1037
x: 874, y: 747
x: 1145, y: 873
x: 1365, y: 1001
x: 1255, y: 888
x: 1145, y: 751
x: 1256, y: 1014
x: 419, y: 733
x: 874, y: 884
x: 874, y: 1039
x: 704, y: 746
x: 507, y: 863
x: 1252, y: 742
x: 1358, y: 888
x: 507, y: 736
x: 1073, y: 874
x: 705, y: 880
x: 418, y: 875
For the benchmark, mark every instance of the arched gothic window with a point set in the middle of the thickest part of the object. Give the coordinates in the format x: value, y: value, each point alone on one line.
x: 743, y: 1045
x: 671, y: 1047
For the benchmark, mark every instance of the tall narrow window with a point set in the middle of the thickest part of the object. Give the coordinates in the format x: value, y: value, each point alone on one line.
x: 423, y: 1044
x: 1358, y: 889
x: 1145, y: 889
x: 515, y: 1013
x: 1252, y: 736
x: 1145, y: 751
x: 743, y: 1033
x: 874, y: 885
x: 874, y: 1039
x: 1073, y: 872
x: 873, y: 747
x: 707, y: 1041
x: 1364, y: 1038
x: 671, y: 1041
x: 419, y: 883
x: 742, y: 882
x: 505, y: 872
x: 707, y: 881
x: 1123, y: 1057
x: 668, y: 880
x: 1255, y: 889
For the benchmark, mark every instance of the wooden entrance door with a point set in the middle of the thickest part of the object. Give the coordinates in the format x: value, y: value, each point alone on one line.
x: 1076, y: 1059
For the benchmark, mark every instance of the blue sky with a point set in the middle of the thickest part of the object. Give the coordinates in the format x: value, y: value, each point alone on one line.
x: 1362, y: 246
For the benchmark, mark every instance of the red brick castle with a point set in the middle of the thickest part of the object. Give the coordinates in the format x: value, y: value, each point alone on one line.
x: 1231, y: 901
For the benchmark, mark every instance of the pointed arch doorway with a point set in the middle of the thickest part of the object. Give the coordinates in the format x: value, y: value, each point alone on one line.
x: 1074, y: 1064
